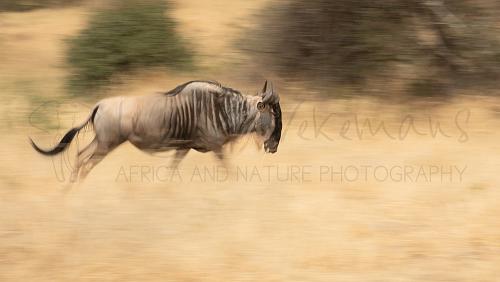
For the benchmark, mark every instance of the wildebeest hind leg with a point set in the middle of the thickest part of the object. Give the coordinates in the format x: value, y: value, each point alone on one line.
x: 81, y: 157
x: 100, y: 152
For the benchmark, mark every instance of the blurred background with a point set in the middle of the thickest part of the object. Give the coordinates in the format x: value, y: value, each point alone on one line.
x: 395, y: 83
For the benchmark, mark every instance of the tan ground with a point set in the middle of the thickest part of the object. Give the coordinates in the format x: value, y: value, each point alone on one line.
x: 124, y: 224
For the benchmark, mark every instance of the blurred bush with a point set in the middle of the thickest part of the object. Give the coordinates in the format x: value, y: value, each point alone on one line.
x: 441, y: 43
x: 130, y: 35
x: 26, y: 5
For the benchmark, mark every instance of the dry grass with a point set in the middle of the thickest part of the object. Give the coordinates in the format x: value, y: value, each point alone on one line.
x: 108, y: 229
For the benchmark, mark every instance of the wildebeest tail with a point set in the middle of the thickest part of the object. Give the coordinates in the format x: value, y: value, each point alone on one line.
x: 67, y: 138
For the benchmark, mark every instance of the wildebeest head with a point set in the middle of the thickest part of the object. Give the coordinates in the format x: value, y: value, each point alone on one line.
x: 269, y: 118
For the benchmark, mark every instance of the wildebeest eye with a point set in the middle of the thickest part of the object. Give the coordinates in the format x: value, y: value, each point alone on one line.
x: 260, y: 106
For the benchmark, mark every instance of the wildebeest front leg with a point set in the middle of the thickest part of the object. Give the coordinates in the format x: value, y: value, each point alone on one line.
x: 179, y: 155
x: 221, y: 157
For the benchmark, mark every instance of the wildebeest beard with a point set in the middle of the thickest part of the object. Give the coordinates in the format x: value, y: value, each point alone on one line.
x: 274, y: 140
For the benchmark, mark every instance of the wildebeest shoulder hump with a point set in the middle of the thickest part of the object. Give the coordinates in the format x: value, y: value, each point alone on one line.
x: 181, y: 87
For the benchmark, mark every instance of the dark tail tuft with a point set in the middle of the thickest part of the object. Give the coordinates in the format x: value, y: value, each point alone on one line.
x: 67, y: 138
x: 60, y: 147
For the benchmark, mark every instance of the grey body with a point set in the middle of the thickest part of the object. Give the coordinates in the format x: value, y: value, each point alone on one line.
x: 198, y: 115
x: 202, y: 116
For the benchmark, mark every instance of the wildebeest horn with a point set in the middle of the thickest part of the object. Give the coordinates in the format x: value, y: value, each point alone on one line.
x: 268, y: 94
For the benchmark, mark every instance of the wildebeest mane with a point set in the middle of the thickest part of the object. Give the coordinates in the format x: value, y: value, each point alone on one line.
x: 224, y: 89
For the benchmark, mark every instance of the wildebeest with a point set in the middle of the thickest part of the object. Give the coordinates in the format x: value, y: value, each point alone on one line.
x: 199, y: 115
